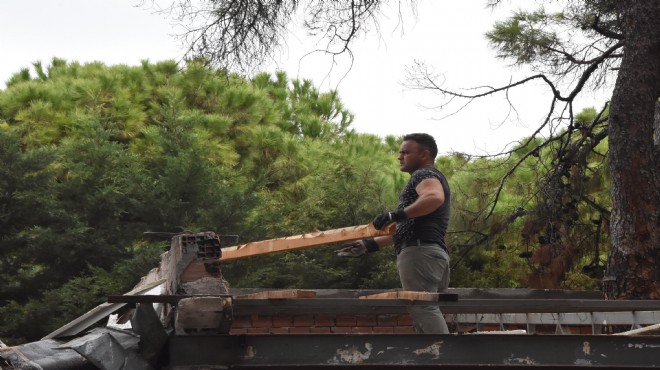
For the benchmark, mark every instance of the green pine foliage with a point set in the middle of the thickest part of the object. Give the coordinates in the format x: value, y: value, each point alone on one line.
x: 92, y: 156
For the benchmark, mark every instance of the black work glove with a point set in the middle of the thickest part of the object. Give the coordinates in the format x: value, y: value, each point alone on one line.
x: 387, y: 217
x: 358, y: 248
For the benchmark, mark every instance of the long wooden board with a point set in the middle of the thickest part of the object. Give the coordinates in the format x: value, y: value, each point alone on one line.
x: 279, y: 294
x: 413, y: 296
x: 290, y: 243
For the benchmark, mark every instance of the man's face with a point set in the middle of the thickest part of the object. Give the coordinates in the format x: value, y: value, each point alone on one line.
x: 411, y: 158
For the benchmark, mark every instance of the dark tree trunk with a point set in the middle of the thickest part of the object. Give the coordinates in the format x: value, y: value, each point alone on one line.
x: 633, y: 266
x: 656, y: 124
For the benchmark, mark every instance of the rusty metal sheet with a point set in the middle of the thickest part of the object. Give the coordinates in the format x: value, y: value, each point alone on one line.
x: 40, y: 355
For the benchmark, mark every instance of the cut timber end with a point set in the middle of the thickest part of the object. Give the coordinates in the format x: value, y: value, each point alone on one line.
x: 290, y: 243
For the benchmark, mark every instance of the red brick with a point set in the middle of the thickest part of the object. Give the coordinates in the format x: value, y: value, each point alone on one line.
x: 363, y: 329
x: 383, y: 330
x: 282, y: 321
x: 387, y: 320
x: 515, y: 327
x: 404, y: 320
x: 241, y: 322
x: 345, y: 320
x: 403, y: 329
x: 258, y: 330
x: 320, y: 330
x: 490, y: 328
x: 573, y: 329
x: 279, y: 330
x: 238, y: 331
x: 261, y: 321
x: 546, y: 329
x: 303, y: 320
x: 579, y: 329
x: 324, y: 320
x: 342, y: 329
x: 366, y: 320
x: 299, y: 330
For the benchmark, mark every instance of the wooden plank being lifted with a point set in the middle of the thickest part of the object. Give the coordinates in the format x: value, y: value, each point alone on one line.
x: 279, y: 294
x: 290, y: 243
x: 413, y: 296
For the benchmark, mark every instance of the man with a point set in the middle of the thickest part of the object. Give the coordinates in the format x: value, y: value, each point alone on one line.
x: 421, y: 217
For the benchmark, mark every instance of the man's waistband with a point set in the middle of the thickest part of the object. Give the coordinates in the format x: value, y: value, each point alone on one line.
x: 418, y: 243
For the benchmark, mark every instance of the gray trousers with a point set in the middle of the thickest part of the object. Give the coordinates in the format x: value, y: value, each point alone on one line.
x: 425, y: 268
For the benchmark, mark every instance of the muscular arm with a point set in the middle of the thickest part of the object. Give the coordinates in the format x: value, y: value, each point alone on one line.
x: 431, y: 197
x: 384, y: 241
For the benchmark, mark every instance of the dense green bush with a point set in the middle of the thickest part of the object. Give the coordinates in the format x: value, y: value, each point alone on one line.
x: 92, y: 156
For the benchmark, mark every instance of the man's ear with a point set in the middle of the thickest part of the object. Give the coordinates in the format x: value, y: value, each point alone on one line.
x: 426, y: 155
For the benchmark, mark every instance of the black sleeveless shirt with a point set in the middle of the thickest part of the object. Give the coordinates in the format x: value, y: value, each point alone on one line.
x: 428, y: 228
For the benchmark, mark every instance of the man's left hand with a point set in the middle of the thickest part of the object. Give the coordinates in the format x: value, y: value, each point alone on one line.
x: 354, y: 249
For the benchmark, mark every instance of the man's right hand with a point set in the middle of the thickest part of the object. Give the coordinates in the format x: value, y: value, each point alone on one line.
x: 353, y: 249
x: 386, y: 218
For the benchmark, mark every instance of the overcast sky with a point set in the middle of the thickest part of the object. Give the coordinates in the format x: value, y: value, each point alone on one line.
x: 446, y: 34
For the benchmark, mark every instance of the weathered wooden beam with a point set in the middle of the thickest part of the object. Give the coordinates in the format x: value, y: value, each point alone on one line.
x: 413, y: 296
x: 359, y: 306
x: 295, y: 242
x: 279, y: 294
x: 172, y: 299
x: 463, y: 293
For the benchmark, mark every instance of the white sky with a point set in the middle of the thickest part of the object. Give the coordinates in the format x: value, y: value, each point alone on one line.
x: 446, y: 34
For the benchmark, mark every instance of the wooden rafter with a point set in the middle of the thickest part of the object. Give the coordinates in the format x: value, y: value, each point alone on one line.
x: 413, y: 296
x: 290, y: 243
x: 279, y: 294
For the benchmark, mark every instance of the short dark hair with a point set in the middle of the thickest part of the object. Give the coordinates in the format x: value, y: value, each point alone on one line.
x: 425, y: 142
